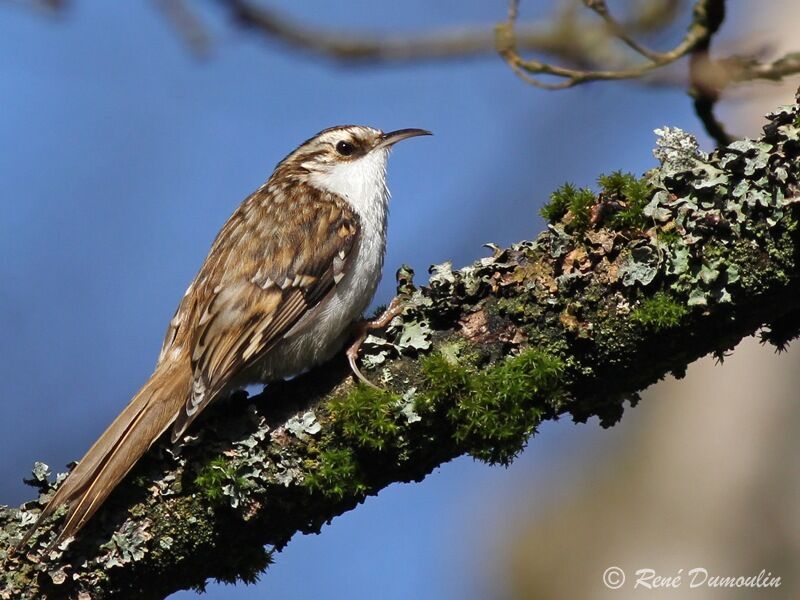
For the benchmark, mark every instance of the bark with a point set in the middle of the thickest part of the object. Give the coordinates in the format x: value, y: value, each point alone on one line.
x: 624, y: 287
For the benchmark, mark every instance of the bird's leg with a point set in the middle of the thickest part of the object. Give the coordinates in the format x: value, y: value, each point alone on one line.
x: 362, y: 328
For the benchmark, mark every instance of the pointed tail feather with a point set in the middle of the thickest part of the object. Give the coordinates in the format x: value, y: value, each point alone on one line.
x: 115, y: 453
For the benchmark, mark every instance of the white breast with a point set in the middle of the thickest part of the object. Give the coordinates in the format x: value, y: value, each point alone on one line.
x: 363, y: 184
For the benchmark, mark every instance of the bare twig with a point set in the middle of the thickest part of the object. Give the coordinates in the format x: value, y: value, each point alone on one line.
x: 528, y: 69
x: 705, y: 83
x: 368, y: 47
x: 742, y: 69
x: 585, y: 46
x: 188, y: 25
x: 618, y: 30
x: 50, y: 6
x: 565, y: 37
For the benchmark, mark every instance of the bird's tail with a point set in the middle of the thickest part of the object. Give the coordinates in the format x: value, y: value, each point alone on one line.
x: 147, y: 416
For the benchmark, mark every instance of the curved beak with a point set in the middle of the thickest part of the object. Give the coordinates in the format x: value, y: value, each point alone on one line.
x: 392, y: 137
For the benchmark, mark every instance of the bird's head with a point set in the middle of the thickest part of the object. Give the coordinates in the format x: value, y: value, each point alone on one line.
x: 347, y: 160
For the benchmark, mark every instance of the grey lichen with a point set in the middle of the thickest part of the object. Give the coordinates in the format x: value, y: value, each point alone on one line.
x: 677, y: 150
x: 302, y: 426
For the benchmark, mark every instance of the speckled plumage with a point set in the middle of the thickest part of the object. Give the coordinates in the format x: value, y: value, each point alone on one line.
x: 293, y: 267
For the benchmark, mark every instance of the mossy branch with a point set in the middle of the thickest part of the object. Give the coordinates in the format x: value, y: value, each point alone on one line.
x: 627, y: 285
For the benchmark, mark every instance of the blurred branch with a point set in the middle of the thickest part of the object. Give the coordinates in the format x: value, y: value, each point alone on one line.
x: 743, y: 69
x: 187, y: 24
x: 618, y: 30
x: 704, y: 87
x: 49, y: 6
x: 588, y: 47
x: 529, y: 69
x: 564, y: 36
x: 624, y: 287
x: 724, y: 72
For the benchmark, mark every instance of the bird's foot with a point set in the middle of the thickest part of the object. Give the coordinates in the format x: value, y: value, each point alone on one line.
x: 362, y: 328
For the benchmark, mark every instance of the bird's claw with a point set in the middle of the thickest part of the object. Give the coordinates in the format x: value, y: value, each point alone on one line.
x: 362, y: 329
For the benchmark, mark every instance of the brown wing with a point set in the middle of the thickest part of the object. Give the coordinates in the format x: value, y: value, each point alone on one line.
x: 279, y: 255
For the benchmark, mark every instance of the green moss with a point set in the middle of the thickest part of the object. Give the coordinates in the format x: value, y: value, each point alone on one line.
x: 494, y: 411
x: 581, y: 209
x: 184, y: 522
x: 635, y: 193
x: 211, y: 479
x: 336, y: 475
x: 614, y: 184
x: 668, y: 237
x: 367, y: 416
x: 660, y: 312
x: 246, y: 564
x: 444, y: 377
x: 558, y: 205
x: 519, y: 308
x: 219, y: 478
x: 568, y: 198
x: 782, y: 331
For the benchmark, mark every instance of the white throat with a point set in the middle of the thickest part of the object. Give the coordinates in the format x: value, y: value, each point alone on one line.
x: 361, y: 182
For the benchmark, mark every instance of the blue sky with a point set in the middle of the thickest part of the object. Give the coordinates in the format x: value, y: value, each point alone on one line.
x: 122, y: 155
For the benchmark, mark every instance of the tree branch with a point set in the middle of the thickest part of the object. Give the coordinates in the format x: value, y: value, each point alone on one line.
x: 588, y: 47
x: 590, y: 50
x: 529, y: 69
x: 618, y: 30
x: 624, y: 287
x: 187, y: 24
x: 565, y: 36
x: 705, y: 88
x: 776, y: 70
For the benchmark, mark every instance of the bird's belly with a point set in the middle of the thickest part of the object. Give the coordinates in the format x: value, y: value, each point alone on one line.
x: 328, y: 328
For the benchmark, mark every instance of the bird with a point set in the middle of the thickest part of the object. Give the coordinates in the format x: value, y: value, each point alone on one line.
x: 284, y: 285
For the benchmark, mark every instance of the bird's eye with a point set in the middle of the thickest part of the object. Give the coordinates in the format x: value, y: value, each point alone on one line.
x: 345, y: 148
